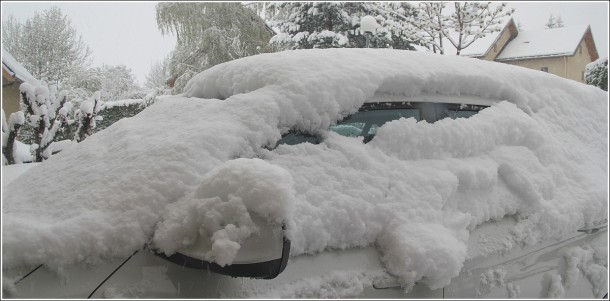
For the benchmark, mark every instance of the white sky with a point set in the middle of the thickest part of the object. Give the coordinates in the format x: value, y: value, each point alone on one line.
x: 126, y: 32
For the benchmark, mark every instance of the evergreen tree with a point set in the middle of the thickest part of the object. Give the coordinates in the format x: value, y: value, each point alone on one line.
x: 554, y: 22
x: 559, y: 22
x: 46, y: 45
x: 209, y: 33
x: 306, y: 25
x: 596, y: 73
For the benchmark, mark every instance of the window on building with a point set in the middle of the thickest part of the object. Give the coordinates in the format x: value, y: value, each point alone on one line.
x: 582, y: 76
x: 545, y: 69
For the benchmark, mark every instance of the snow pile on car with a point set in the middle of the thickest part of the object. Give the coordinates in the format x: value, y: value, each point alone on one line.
x: 170, y: 173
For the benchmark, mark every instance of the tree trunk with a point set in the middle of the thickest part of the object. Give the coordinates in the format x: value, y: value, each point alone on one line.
x: 8, y: 150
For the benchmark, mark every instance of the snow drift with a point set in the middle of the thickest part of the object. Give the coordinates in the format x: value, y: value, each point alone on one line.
x: 416, y: 190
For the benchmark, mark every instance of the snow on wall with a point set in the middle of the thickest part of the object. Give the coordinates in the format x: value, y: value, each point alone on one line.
x: 415, y: 191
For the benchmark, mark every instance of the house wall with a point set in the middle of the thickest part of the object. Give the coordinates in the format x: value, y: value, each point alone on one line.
x: 498, y: 46
x: 10, y: 97
x: 577, y: 63
x: 571, y: 67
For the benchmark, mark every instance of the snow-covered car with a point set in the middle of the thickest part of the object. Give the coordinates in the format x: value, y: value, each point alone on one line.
x: 325, y: 174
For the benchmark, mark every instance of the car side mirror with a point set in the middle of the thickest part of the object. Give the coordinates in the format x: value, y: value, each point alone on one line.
x: 263, y: 255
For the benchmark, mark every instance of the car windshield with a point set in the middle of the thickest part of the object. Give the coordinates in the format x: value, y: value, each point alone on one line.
x: 365, y: 123
x: 374, y: 115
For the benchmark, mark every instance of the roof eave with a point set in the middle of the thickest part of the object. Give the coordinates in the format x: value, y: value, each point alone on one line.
x: 509, y: 25
x: 535, y: 57
x: 590, y: 42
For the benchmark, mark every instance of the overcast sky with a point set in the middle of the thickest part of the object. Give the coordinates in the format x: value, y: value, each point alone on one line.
x: 126, y: 32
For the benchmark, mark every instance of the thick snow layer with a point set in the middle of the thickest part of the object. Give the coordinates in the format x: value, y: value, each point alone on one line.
x: 11, y: 172
x: 233, y: 190
x: 187, y: 164
x: 592, y: 261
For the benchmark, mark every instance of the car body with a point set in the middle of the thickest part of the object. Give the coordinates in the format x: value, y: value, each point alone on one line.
x: 327, y: 174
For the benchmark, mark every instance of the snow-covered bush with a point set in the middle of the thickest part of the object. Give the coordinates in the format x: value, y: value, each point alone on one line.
x: 117, y: 110
x: 10, y: 131
x: 87, y: 116
x: 47, y: 113
x: 596, y: 73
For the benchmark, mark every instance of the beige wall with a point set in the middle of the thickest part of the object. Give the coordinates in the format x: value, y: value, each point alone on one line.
x: 495, y: 50
x: 565, y: 66
x: 10, y: 97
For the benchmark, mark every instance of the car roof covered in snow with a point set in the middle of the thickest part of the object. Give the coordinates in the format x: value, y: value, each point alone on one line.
x: 369, y: 74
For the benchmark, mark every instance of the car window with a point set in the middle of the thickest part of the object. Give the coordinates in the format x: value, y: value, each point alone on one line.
x: 463, y: 110
x: 365, y: 123
x: 293, y: 138
x: 461, y: 114
x: 373, y: 115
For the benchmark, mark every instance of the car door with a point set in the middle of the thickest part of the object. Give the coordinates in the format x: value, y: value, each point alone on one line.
x: 544, y: 270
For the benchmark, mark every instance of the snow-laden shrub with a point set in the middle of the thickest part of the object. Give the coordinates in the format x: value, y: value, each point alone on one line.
x: 596, y: 73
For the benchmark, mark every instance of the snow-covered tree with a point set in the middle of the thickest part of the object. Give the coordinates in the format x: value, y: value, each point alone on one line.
x: 10, y: 132
x: 46, y: 45
x: 158, y: 77
x: 113, y: 82
x: 305, y: 25
x: 209, y: 33
x: 47, y: 113
x: 471, y: 21
x: 554, y: 22
x: 596, y: 73
x: 430, y: 22
x: 87, y: 116
x: 461, y: 27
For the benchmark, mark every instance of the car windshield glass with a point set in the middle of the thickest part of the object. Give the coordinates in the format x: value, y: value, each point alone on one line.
x: 462, y: 111
x: 373, y: 115
x: 293, y: 138
x: 461, y: 114
x: 366, y: 123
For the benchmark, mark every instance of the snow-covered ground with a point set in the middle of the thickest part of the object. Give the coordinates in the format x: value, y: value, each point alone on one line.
x: 197, y: 166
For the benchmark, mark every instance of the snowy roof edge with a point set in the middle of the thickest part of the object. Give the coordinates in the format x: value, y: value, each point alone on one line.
x: 535, y: 56
x: 478, y: 55
x: 15, y: 69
